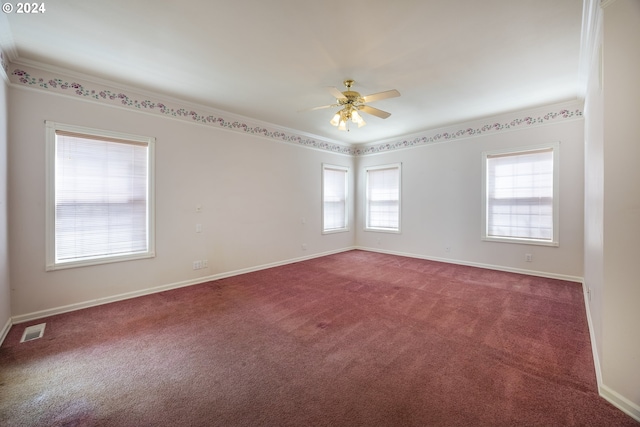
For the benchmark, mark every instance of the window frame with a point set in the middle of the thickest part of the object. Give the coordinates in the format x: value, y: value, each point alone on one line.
x: 346, y: 228
x: 367, y: 169
x: 555, y: 149
x: 50, y: 203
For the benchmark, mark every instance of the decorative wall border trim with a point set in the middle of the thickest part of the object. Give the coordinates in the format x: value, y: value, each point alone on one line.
x: 571, y: 111
x: 54, y: 82
x: 50, y: 82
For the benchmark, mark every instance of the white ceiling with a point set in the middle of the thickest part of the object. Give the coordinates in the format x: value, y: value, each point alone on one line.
x: 452, y: 60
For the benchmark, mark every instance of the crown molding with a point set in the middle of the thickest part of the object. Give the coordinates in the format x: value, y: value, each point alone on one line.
x: 591, y: 12
x: 56, y: 81
x: 4, y: 64
x: 7, y: 44
x: 525, y: 119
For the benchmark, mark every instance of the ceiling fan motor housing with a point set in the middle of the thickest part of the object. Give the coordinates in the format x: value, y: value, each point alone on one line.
x: 351, y: 97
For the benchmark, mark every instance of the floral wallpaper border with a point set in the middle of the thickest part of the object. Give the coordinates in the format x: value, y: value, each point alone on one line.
x: 117, y: 97
x: 518, y: 123
x: 26, y: 77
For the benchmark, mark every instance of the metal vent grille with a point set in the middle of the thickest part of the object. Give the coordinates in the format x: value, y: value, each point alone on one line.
x: 33, y: 332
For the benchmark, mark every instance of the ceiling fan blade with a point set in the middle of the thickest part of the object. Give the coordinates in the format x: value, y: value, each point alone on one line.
x: 381, y: 95
x: 318, y: 108
x: 335, y: 92
x: 374, y: 111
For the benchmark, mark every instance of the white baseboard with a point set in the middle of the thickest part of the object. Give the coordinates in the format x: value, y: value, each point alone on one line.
x: 592, y: 336
x: 128, y: 295
x: 620, y: 402
x: 614, y: 398
x: 5, y: 330
x: 617, y: 400
x: 477, y: 264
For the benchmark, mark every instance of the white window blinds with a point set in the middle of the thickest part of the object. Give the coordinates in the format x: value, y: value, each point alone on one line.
x: 383, y: 198
x: 520, y: 193
x: 334, y: 194
x: 101, y: 198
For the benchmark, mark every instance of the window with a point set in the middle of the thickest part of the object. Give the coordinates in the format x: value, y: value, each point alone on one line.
x: 521, y: 195
x: 383, y: 198
x: 99, y: 196
x: 335, y: 190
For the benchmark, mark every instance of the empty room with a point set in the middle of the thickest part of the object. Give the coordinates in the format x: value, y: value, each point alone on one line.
x: 296, y: 213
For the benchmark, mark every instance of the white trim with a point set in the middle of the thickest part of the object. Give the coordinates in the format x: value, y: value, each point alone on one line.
x: 182, y: 120
x: 620, y: 402
x: 4, y: 76
x: 513, y: 121
x: 5, y: 330
x: 616, y: 399
x: 366, y: 198
x: 41, y: 76
x: 588, y: 33
x: 555, y: 150
x: 148, y: 291
x: 347, y: 197
x: 592, y: 336
x: 547, y: 275
x: 516, y: 119
x: 50, y: 191
x: 7, y: 43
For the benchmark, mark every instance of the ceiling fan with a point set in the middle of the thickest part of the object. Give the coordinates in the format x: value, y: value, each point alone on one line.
x: 353, y: 103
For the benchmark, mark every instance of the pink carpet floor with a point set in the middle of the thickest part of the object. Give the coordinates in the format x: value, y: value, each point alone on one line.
x: 352, y: 339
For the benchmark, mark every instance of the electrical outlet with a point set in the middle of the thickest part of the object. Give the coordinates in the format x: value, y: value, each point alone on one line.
x: 528, y: 257
x: 197, y: 265
x: 198, y: 228
x: 304, y: 246
x: 205, y: 263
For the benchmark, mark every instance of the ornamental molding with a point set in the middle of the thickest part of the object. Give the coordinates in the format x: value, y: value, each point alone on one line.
x: 3, y: 62
x: 558, y: 113
x: 60, y: 83
x: 53, y: 82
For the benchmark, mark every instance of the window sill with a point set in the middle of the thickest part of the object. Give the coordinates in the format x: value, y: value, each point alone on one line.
x: 383, y: 230
x: 337, y: 230
x: 521, y: 241
x: 98, y: 261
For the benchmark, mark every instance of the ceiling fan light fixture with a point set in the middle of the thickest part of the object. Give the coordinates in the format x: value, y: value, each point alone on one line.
x: 352, y: 102
x: 335, y: 121
x: 356, y: 118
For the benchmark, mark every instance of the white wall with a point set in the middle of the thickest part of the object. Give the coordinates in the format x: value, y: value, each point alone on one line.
x: 594, y: 187
x: 441, y: 202
x: 621, y: 293
x: 254, y: 192
x: 5, y: 289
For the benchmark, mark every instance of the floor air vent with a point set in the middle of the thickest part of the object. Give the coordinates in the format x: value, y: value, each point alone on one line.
x: 33, y: 332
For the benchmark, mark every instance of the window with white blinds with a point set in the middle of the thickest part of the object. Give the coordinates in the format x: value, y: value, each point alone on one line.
x: 383, y: 198
x: 521, y: 195
x: 99, y: 203
x: 335, y: 186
